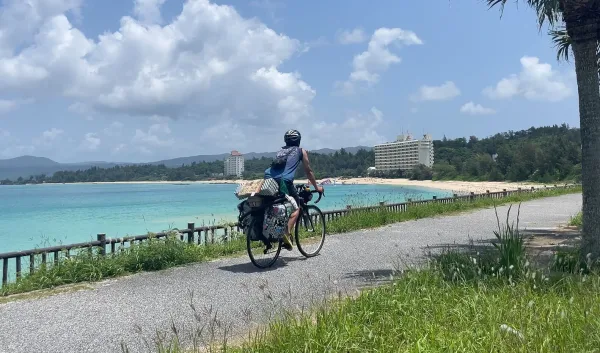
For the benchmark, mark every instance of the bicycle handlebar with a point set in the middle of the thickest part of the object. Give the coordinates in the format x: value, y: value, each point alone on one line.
x: 301, y: 186
x: 320, y: 194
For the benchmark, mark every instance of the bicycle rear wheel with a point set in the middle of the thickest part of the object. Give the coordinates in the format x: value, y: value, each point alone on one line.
x: 261, y: 255
x: 310, y: 231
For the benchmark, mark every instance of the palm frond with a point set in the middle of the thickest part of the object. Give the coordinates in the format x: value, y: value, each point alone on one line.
x: 546, y: 10
x: 562, y: 42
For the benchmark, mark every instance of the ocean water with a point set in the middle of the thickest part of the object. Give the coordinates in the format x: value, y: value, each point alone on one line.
x: 44, y: 215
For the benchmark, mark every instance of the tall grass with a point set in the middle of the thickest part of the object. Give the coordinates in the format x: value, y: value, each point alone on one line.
x: 158, y: 254
x: 510, y: 246
x: 577, y: 220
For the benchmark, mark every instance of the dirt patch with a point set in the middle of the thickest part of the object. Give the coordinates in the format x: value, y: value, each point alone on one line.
x: 551, y: 239
x: 542, y: 244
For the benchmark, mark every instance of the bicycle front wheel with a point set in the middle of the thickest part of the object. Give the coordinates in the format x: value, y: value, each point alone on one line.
x: 310, y: 231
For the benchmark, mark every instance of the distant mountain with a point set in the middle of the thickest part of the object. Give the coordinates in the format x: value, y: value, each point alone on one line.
x: 352, y: 150
x: 27, y: 161
x: 177, y: 162
x: 26, y: 166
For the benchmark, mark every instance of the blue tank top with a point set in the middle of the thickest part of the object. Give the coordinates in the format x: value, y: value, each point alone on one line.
x: 289, y: 159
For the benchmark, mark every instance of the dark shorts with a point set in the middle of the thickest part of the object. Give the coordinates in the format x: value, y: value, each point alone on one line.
x: 293, y: 192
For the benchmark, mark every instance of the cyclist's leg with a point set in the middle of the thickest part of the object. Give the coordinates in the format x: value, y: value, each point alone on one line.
x: 296, y: 207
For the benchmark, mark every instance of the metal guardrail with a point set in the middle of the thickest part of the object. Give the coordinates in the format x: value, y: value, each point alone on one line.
x: 212, y: 234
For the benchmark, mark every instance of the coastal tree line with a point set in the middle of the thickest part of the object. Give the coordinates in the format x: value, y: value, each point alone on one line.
x: 544, y: 154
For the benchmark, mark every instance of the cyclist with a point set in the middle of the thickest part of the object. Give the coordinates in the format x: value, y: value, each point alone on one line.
x: 283, y: 170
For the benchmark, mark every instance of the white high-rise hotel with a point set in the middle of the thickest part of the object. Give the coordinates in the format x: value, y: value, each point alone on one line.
x: 234, y: 164
x: 404, y: 153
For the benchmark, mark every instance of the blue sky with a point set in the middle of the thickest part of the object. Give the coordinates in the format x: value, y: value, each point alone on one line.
x: 144, y: 80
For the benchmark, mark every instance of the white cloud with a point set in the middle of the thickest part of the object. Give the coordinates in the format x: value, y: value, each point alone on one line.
x: 536, y: 81
x: 47, y: 138
x: 114, y: 129
x: 21, y: 20
x: 119, y: 148
x: 207, y: 51
x: 476, y: 109
x: 7, y: 105
x: 354, y: 36
x: 368, y: 65
x: 91, y: 141
x: 357, y: 128
x: 52, y: 134
x: 82, y: 109
x: 445, y: 91
x: 319, y: 42
x: 148, y: 11
x: 154, y: 137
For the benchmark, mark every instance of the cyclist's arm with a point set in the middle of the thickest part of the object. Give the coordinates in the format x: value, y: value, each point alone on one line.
x: 308, y: 169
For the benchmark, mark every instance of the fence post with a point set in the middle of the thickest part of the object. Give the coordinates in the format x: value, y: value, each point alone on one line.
x: 488, y: 193
x: 191, y: 233
x: 102, y: 239
x: 18, y: 266
x: 4, y: 271
x: 504, y: 193
x: 472, y: 196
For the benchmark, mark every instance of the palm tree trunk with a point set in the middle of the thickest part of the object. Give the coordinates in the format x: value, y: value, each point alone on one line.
x: 586, y: 68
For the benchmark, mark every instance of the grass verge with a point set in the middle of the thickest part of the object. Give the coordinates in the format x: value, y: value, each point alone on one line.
x: 159, y: 254
x: 424, y: 312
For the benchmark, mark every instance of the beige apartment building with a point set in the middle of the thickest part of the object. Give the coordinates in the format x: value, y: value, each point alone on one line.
x: 234, y: 164
x: 404, y: 153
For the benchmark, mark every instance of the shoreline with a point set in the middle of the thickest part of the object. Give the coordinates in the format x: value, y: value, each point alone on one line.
x: 458, y: 187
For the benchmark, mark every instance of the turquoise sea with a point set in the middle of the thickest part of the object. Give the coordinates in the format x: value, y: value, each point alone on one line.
x: 43, y: 215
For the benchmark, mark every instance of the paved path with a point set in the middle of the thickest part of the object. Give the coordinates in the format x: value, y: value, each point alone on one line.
x: 99, y: 320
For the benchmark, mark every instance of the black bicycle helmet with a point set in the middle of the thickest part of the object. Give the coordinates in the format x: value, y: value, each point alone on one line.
x: 292, y: 138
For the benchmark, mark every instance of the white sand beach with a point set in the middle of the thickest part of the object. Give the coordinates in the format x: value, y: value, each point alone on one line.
x: 459, y: 187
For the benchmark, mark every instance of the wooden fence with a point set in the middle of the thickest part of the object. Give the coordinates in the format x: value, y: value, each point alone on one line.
x: 207, y: 235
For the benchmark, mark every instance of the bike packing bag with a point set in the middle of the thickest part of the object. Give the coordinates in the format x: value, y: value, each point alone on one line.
x: 275, y: 222
x: 252, y: 223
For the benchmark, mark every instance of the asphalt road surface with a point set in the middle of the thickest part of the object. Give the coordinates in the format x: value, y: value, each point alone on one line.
x: 131, y: 309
